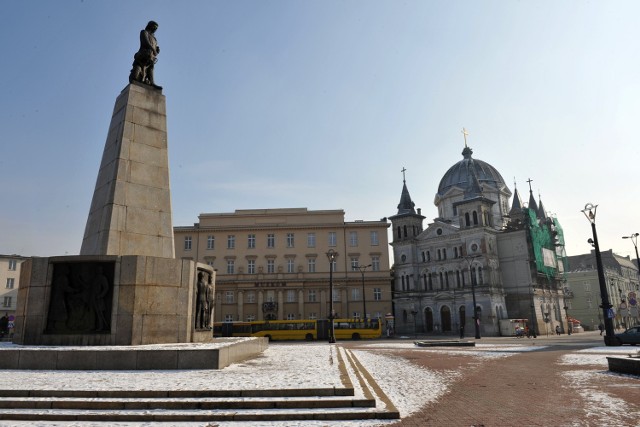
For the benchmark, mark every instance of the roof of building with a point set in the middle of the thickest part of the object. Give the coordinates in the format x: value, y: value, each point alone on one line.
x: 469, y: 174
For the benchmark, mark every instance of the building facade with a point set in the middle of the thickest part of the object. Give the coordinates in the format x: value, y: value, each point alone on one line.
x: 477, y: 253
x: 9, y: 283
x: 272, y: 264
x: 622, y: 283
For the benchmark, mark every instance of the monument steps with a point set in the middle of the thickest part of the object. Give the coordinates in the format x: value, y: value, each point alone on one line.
x: 304, y: 404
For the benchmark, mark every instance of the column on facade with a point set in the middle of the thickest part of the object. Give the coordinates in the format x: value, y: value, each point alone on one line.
x: 324, y: 305
x: 218, y: 314
x: 280, y: 305
x: 301, y: 304
x: 260, y: 315
x: 240, y: 306
x: 344, y: 303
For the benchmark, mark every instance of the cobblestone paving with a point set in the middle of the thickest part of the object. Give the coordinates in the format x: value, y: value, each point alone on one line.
x: 527, y: 389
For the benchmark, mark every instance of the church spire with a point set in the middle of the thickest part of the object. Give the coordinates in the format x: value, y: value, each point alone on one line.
x: 541, y: 212
x: 532, y: 201
x: 406, y: 205
x: 516, y: 206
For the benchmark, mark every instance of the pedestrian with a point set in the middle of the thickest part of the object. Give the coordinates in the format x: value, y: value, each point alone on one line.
x: 601, y: 327
x: 461, y: 331
x: 558, y: 330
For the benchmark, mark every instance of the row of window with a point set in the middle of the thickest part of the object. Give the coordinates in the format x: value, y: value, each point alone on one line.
x: 7, y: 301
x: 13, y: 264
x: 10, y: 283
x: 290, y: 265
x: 441, y: 254
x: 445, y: 279
x: 291, y: 295
x: 332, y: 239
x: 292, y: 316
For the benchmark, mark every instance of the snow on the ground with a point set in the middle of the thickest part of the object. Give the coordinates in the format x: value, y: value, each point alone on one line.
x: 316, y: 365
x: 596, y: 355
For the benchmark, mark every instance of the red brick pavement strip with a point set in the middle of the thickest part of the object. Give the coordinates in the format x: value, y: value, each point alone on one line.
x: 526, y: 389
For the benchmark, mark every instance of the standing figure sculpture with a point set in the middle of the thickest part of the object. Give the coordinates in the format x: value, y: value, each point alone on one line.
x: 201, y: 301
x: 146, y: 57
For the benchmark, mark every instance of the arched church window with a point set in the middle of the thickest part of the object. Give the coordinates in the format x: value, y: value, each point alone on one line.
x: 475, y: 218
x: 466, y: 219
x: 439, y: 255
x: 480, y: 276
x: 441, y: 281
x: 428, y: 255
x: 399, y: 233
x: 405, y: 231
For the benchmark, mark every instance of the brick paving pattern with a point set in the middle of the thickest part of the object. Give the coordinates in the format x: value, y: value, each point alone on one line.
x: 526, y: 389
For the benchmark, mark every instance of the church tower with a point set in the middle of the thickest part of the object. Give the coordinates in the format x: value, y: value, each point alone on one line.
x: 407, y: 223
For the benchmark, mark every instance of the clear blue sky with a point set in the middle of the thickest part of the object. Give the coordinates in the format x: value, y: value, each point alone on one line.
x: 320, y: 104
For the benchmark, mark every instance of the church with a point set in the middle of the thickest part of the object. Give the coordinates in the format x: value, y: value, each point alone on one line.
x: 505, y: 260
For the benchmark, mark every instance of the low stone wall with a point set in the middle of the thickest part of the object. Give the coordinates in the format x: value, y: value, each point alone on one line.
x: 624, y: 365
x: 224, y: 352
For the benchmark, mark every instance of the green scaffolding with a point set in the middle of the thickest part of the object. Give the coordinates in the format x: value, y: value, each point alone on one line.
x: 542, y: 236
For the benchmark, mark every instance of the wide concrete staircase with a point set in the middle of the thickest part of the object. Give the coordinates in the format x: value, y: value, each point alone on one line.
x: 294, y: 405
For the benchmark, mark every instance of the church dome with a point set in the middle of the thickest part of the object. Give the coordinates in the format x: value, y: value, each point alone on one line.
x: 462, y: 174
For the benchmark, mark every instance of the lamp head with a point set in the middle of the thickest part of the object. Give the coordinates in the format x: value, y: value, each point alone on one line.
x: 589, y: 211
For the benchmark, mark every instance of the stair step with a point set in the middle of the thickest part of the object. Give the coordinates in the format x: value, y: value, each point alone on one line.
x: 197, y: 415
x: 182, y: 403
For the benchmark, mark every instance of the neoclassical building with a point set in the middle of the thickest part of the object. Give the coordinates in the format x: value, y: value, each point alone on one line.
x: 508, y: 258
x: 272, y: 265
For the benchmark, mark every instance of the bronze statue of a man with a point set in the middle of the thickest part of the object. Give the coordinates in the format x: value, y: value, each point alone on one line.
x: 146, y: 57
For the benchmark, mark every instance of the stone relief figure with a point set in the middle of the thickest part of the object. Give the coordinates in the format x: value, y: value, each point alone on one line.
x: 80, y: 299
x: 146, y: 57
x: 201, y: 301
x: 209, y: 300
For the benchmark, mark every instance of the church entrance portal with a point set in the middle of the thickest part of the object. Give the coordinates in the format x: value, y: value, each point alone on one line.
x: 445, y: 317
x: 428, y: 319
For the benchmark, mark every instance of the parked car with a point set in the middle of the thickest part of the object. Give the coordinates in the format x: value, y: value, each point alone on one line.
x: 630, y: 336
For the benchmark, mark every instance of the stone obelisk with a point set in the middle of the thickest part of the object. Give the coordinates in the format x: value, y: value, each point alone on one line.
x: 130, y: 211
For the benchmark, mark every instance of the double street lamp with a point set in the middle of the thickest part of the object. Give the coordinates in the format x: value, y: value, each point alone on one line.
x: 476, y: 321
x: 589, y: 212
x: 362, y: 269
x: 634, y: 240
x: 331, y: 255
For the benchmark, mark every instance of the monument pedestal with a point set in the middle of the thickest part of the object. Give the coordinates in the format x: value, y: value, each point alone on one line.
x: 109, y: 300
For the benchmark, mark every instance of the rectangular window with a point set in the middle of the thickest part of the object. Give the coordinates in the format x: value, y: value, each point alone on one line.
x: 211, y: 242
x: 231, y: 241
x: 251, y: 317
x: 336, y: 295
x: 271, y: 266
x: 231, y: 266
x: 291, y: 316
x: 10, y: 282
x: 228, y: 297
x: 332, y: 238
x: 271, y: 240
x: 311, y: 262
x: 312, y: 296
x: 375, y: 263
x: 354, y: 264
x: 377, y: 294
x: 290, y: 265
x: 251, y: 266
x: 356, y: 315
x: 333, y: 265
x: 210, y: 263
x: 291, y: 295
x: 353, y: 238
x: 228, y: 318
x: 290, y: 240
x: 251, y: 297
x: 587, y: 287
x: 251, y: 241
x: 355, y: 294
x: 374, y: 238
x: 311, y: 240
x: 187, y: 243
x: 313, y: 316
x: 6, y: 302
x: 13, y: 264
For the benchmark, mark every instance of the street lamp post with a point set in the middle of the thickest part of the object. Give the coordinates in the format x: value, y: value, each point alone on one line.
x: 331, y: 255
x: 362, y: 269
x: 476, y: 321
x: 634, y: 240
x: 589, y: 212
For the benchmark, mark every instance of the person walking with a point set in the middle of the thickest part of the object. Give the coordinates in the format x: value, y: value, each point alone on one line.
x: 601, y: 327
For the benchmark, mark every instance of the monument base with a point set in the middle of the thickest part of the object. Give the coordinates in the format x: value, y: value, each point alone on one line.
x: 112, y: 300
